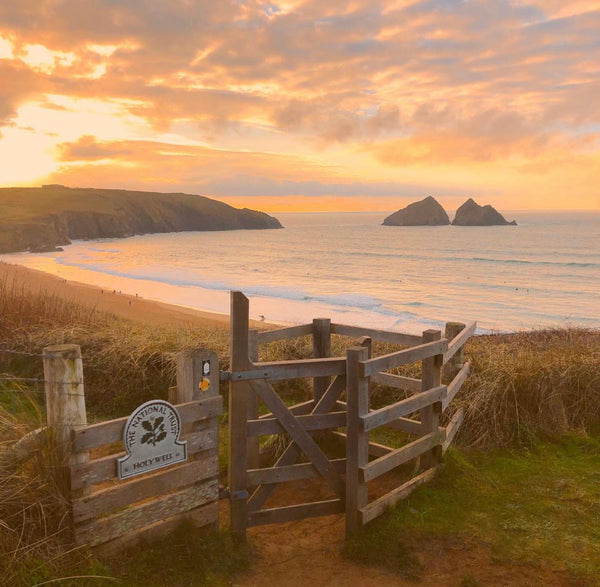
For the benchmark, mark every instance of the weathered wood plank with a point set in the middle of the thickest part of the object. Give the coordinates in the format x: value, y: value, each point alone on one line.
x: 292, y: 452
x: 378, y: 507
x: 103, y: 433
x: 392, y: 360
x: 398, y: 338
x: 300, y: 436
x: 100, y: 470
x: 253, y: 453
x: 456, y: 384
x: 397, y: 382
x: 431, y: 377
x: 278, y: 371
x: 296, y: 512
x: 140, y: 488
x: 357, y: 445
x: 375, y: 449
x: 452, y: 428
x: 308, y: 422
x: 458, y: 341
x: 404, y: 424
x: 266, y: 336
x: 384, y: 416
x: 200, y: 516
x: 321, y: 348
x: 106, y: 529
x: 454, y: 363
x: 400, y: 456
x: 289, y: 473
x: 298, y: 410
x: 238, y: 414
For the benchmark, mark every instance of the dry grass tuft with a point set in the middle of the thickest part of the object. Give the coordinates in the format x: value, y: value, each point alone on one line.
x: 34, y: 535
x: 540, y: 383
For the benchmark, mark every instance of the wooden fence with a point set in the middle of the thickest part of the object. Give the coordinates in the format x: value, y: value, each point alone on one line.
x: 108, y: 512
x: 347, y: 478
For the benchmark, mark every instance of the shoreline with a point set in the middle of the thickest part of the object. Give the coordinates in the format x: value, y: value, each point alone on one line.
x: 131, y: 307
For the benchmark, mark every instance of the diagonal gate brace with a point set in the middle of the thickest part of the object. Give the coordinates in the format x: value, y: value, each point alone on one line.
x: 301, y: 439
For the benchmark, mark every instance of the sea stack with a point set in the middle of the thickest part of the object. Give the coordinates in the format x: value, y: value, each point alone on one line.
x: 427, y: 212
x: 472, y: 214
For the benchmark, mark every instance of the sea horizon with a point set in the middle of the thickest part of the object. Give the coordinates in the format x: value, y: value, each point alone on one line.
x: 350, y: 268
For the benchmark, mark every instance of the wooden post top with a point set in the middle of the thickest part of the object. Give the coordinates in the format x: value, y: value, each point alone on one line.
x: 66, y: 351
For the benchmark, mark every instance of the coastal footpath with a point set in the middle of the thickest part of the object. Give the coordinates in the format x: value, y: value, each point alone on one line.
x: 41, y: 219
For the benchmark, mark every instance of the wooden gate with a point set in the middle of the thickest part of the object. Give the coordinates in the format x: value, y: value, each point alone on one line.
x: 251, y: 485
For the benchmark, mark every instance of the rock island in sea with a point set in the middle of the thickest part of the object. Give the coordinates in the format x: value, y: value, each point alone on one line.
x: 41, y: 219
x: 426, y: 212
x: 472, y: 214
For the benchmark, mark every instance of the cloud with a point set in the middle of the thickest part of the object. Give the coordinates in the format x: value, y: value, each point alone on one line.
x: 365, y: 87
x: 88, y: 149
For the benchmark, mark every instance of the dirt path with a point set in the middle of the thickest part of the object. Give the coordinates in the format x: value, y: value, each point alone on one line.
x: 308, y: 553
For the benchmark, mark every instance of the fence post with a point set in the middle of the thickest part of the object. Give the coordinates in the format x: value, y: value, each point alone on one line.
x: 357, y: 441
x: 197, y: 375
x: 321, y: 349
x: 454, y: 365
x: 65, y: 403
x: 253, y: 442
x: 430, y: 415
x: 238, y: 415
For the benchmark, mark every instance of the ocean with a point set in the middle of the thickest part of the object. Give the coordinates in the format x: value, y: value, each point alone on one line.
x: 545, y: 272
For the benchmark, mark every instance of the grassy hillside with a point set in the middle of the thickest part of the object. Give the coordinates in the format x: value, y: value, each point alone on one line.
x: 49, y: 216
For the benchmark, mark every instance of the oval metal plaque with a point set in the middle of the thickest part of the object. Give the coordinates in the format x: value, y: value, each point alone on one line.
x: 151, y: 438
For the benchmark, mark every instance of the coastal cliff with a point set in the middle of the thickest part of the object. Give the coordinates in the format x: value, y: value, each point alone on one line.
x: 426, y: 212
x: 39, y: 219
x: 472, y: 214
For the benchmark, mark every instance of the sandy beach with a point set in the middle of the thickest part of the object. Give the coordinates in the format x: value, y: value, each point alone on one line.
x: 113, y: 302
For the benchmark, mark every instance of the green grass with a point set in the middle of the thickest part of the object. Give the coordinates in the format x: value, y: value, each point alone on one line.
x: 537, y: 506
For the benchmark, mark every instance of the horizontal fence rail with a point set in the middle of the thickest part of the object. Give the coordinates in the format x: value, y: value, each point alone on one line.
x: 398, y: 338
x: 393, y: 360
x: 407, y: 406
x: 266, y: 336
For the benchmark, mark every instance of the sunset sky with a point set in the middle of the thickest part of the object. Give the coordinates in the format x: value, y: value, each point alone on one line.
x: 314, y: 105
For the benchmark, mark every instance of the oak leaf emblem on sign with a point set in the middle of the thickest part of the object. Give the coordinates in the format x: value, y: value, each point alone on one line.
x: 155, y: 431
